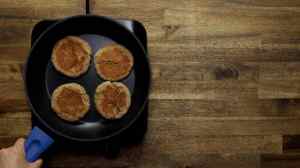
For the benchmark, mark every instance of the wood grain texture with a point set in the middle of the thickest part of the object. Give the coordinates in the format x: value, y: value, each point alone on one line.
x: 41, y: 8
x: 139, y: 157
x: 225, y: 76
x: 172, y: 108
x: 17, y: 18
x: 221, y: 68
x: 280, y: 161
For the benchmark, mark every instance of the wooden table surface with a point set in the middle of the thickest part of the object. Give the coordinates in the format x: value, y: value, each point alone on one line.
x: 226, y: 81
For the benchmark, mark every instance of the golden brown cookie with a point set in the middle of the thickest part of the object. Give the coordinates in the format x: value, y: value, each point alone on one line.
x: 112, y: 99
x: 113, y: 62
x: 70, y: 101
x: 71, y: 56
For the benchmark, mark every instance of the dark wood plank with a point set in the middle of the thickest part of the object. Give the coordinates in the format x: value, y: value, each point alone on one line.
x: 227, y: 126
x: 191, y: 4
x: 14, y: 54
x: 178, y: 53
x: 280, y: 161
x: 278, y: 89
x: 41, y: 9
x: 291, y: 144
x: 173, y: 143
x: 16, y: 32
x: 11, y: 72
x: 140, y: 157
x: 269, y: 3
x: 242, y: 107
x: 274, y: 71
x: 206, y: 90
x: 6, y: 141
x: 204, y: 71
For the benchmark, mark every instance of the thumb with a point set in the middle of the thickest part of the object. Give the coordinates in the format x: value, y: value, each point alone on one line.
x: 36, y: 164
x: 19, y: 145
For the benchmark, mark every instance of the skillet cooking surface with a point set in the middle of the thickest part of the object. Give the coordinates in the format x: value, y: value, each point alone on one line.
x: 41, y: 78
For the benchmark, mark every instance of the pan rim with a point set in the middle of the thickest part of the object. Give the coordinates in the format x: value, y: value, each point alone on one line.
x: 59, y: 133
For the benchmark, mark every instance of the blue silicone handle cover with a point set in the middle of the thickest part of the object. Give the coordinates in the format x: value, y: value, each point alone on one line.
x: 37, y: 142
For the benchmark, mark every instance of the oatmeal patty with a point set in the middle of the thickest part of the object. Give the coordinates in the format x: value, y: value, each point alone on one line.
x: 70, y: 101
x: 71, y: 56
x: 113, y: 62
x: 112, y: 100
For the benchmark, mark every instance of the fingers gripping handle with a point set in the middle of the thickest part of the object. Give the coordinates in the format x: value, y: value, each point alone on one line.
x: 37, y: 142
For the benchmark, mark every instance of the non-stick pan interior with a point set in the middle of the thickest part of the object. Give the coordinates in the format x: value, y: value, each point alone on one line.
x: 89, y: 80
x: 41, y: 78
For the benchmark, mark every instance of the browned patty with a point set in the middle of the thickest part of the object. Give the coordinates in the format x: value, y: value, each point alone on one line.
x: 112, y: 100
x: 113, y: 62
x: 70, y: 101
x: 71, y: 56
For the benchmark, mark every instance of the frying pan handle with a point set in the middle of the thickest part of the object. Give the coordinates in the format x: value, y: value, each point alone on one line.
x: 37, y: 142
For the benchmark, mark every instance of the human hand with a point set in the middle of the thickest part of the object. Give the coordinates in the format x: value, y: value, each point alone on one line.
x: 14, y: 157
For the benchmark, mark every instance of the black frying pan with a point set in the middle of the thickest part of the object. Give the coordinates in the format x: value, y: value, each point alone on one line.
x: 41, y: 79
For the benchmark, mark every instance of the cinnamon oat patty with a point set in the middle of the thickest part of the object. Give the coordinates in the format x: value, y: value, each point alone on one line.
x: 70, y: 101
x: 113, y: 62
x: 112, y: 100
x: 71, y: 56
